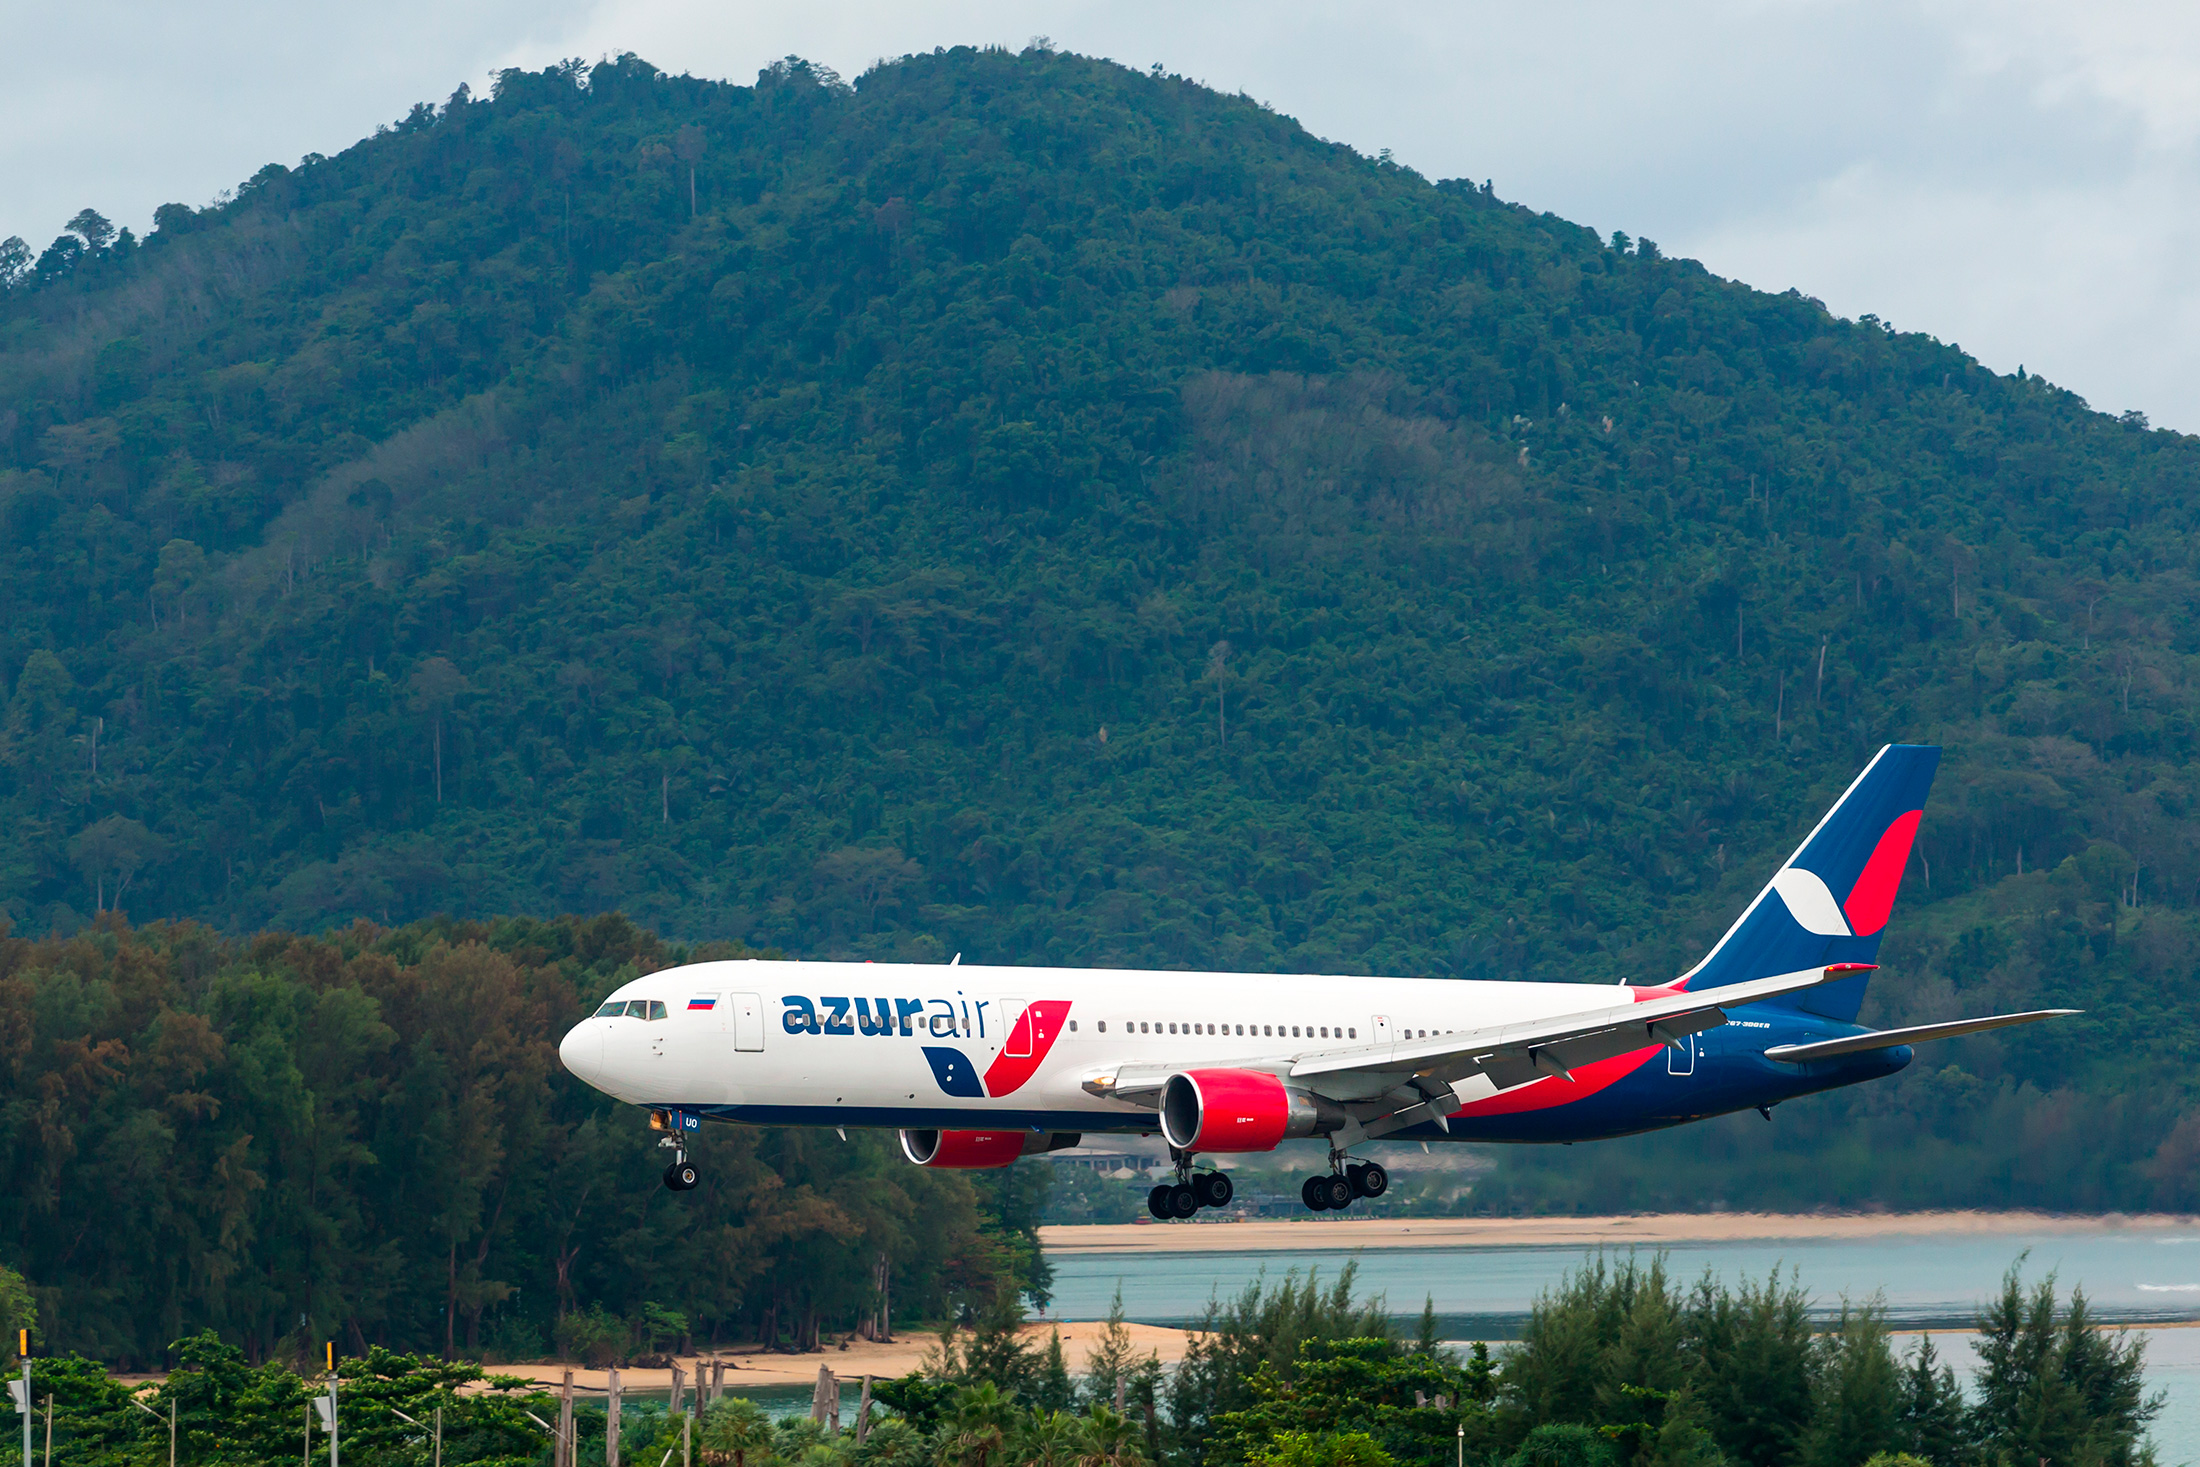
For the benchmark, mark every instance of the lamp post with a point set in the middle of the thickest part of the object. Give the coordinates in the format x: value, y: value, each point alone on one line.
x: 23, y: 1400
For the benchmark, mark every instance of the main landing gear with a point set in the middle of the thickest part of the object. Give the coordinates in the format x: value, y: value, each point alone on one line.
x: 1189, y: 1192
x: 1344, y: 1185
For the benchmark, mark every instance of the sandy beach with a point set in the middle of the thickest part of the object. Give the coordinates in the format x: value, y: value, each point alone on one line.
x: 1321, y: 1234
x: 861, y: 1358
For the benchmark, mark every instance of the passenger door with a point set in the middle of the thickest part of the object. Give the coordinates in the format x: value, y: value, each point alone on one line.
x: 1680, y: 1057
x: 1378, y: 1028
x: 1016, y: 1035
x: 748, y: 1022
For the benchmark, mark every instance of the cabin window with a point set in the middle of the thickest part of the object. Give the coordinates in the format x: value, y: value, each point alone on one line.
x: 1294, y: 1031
x: 1143, y: 1027
x: 1103, y: 1025
x: 1351, y: 1033
x: 1073, y: 1026
x: 1172, y: 1028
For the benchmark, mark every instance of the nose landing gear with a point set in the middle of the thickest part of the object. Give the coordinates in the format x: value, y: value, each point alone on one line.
x: 681, y: 1175
x: 1344, y: 1184
x: 1189, y: 1192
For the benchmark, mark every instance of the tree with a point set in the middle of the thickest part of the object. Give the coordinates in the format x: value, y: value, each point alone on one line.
x: 733, y: 1428
x: 15, y: 261
x: 687, y: 146
x: 1933, y: 1428
x: 118, y: 848
x: 170, y: 220
x: 59, y: 258
x: 93, y: 228
x: 2051, y: 1388
x: 1332, y: 1449
x: 437, y: 685
x: 866, y: 878
x: 182, y: 564
x: 977, y: 1426
x: 18, y: 1312
x: 1858, y: 1393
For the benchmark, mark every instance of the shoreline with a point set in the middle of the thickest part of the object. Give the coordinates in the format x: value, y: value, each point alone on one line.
x: 747, y: 1371
x: 1317, y: 1234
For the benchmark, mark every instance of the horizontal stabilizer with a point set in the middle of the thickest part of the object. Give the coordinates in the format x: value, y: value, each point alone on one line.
x: 1800, y: 1054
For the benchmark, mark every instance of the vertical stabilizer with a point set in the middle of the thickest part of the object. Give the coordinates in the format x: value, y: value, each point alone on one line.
x: 1831, y: 900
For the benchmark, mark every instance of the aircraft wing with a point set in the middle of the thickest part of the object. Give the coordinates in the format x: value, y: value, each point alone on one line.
x: 1389, y: 1087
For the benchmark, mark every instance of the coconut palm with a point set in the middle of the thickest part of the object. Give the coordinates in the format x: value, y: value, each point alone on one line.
x: 1048, y: 1439
x: 735, y: 1430
x: 978, y: 1426
x: 1110, y: 1440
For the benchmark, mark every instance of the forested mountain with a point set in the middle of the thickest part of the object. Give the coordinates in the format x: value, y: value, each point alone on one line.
x: 1020, y: 506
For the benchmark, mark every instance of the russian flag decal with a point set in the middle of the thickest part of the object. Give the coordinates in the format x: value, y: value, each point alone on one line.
x: 703, y: 1003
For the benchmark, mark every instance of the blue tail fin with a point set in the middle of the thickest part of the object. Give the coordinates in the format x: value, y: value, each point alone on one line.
x: 1830, y: 902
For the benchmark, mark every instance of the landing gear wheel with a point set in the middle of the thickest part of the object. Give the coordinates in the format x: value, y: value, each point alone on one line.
x: 1214, y: 1189
x: 1315, y: 1194
x: 1158, y: 1202
x: 1183, y: 1201
x: 681, y: 1176
x: 1337, y: 1190
x: 1371, y: 1180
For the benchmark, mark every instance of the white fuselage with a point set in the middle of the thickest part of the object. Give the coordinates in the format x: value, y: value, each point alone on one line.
x: 893, y: 1044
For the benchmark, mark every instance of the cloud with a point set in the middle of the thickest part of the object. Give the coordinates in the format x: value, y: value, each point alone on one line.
x: 2006, y: 175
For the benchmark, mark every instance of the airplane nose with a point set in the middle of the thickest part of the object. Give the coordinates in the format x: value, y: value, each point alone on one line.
x: 582, y: 1052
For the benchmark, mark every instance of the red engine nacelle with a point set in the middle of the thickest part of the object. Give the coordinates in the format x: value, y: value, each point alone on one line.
x: 980, y: 1148
x: 1240, y: 1110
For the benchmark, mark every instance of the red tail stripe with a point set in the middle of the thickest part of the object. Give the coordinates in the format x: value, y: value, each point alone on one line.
x: 1872, y: 898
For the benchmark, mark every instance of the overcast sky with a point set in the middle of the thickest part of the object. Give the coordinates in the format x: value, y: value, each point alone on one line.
x: 2015, y: 177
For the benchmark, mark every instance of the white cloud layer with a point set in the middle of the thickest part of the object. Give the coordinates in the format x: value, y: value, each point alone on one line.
x: 2017, y: 176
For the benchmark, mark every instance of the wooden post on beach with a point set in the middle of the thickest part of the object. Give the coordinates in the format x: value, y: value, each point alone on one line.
x: 611, y: 1418
x: 562, y: 1455
x: 672, y: 1407
x: 717, y: 1379
x: 863, y: 1412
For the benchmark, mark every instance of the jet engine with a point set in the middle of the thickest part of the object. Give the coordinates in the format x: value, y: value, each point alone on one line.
x: 1240, y: 1110
x: 968, y: 1149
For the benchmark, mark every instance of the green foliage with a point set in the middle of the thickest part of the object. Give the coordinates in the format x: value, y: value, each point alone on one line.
x: 1564, y: 1444
x: 1341, y: 1392
x: 18, y: 1312
x: 2052, y: 1386
x: 370, y: 1129
x: 1744, y: 1377
x: 1336, y: 1449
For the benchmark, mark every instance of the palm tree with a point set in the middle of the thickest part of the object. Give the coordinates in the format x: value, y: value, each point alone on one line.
x: 979, y: 1426
x: 1109, y: 1440
x: 735, y: 1427
x: 1048, y: 1439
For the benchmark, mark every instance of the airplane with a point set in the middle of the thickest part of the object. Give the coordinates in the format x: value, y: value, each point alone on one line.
x: 980, y: 1066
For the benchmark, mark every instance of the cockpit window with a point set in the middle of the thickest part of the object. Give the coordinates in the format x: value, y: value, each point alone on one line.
x: 645, y: 1008
x: 612, y: 1010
